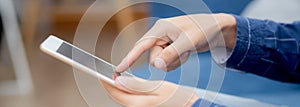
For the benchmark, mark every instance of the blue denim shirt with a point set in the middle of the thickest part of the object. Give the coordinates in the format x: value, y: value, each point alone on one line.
x: 266, y: 48
x: 205, y: 103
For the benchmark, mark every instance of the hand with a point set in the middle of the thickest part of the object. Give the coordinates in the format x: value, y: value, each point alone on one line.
x: 171, y: 40
x: 135, y: 92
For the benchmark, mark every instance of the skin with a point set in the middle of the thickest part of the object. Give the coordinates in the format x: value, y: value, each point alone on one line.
x: 126, y: 92
x: 170, y: 42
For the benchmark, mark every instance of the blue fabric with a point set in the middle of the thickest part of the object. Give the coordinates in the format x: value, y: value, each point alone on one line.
x: 206, y: 103
x: 267, y: 48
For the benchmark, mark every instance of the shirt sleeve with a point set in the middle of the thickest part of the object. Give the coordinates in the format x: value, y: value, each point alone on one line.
x: 267, y: 48
x: 205, y: 103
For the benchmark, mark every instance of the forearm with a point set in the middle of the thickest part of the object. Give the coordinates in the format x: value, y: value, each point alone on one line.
x: 227, y: 24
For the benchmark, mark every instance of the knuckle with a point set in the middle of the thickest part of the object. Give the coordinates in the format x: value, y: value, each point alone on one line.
x: 160, y: 22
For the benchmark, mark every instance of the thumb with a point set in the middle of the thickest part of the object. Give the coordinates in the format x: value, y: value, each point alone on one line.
x: 136, y: 85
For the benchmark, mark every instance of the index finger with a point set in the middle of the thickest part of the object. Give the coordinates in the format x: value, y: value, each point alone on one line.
x: 139, y: 48
x: 145, y: 43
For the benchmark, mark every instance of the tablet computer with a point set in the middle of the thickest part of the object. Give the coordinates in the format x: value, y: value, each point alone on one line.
x: 80, y: 59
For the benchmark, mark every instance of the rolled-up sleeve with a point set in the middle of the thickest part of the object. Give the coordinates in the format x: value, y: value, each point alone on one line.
x: 267, y: 48
x: 205, y: 103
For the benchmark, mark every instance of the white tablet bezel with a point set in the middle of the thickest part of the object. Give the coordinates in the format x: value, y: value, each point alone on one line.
x: 52, y: 43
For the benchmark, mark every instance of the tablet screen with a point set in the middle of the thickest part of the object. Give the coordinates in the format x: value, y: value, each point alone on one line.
x: 87, y: 60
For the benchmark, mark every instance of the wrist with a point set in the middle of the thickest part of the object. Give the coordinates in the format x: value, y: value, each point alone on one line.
x: 193, y: 99
x: 227, y: 24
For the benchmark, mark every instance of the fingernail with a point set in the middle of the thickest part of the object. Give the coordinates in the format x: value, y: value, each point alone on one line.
x: 159, y: 63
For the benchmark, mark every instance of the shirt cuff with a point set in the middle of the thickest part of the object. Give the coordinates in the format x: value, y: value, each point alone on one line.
x: 242, y: 45
x: 205, y: 103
